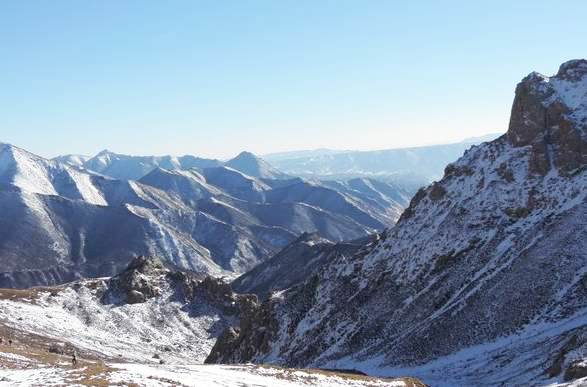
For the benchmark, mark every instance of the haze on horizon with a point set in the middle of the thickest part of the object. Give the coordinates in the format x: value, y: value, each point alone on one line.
x: 214, y: 78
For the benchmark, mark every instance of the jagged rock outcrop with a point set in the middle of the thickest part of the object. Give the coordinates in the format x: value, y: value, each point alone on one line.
x: 148, y: 312
x: 140, y: 280
x: 255, y: 333
x: 548, y: 115
x: 482, y: 280
x: 145, y: 277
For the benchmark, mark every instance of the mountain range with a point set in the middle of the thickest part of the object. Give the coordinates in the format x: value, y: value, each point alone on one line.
x: 414, y: 166
x: 61, y: 221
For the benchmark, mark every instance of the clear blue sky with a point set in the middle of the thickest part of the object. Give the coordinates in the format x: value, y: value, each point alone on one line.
x: 212, y: 78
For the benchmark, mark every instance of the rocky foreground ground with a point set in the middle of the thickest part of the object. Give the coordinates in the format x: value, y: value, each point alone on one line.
x: 41, y: 358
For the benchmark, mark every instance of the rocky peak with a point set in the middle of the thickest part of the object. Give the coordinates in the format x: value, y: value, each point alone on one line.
x: 550, y: 115
x: 244, y: 160
x: 140, y: 280
x: 244, y: 155
x: 145, y: 265
x: 573, y: 70
x: 308, y: 237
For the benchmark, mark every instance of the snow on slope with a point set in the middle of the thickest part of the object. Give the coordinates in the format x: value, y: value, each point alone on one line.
x: 229, y: 376
x: 145, y: 310
x: 482, y: 280
x: 175, y: 329
x: 75, y: 160
x: 134, y: 167
x: 151, y: 375
x: 34, y: 174
x: 148, y: 326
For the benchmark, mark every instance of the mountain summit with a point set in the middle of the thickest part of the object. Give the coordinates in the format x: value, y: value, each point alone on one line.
x: 251, y: 165
x: 549, y: 114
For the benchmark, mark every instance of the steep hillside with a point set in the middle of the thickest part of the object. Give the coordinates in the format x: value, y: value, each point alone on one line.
x: 143, y: 311
x: 481, y: 282
x: 297, y: 262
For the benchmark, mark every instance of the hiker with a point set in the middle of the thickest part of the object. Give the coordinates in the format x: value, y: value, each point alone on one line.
x: 9, y: 341
x: 74, y: 359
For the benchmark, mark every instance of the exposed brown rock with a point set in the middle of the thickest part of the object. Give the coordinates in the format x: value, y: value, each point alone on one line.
x: 136, y: 283
x: 409, y: 212
x: 544, y: 125
x: 227, y: 343
x: 437, y: 192
x: 258, y: 326
x: 454, y: 170
x: 575, y: 371
x: 505, y: 173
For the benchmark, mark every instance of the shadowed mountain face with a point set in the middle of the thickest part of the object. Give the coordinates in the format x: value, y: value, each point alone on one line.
x: 482, y: 280
x: 60, y: 222
x: 297, y: 262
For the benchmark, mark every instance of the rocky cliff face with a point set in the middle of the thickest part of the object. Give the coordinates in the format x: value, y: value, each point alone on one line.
x: 549, y: 115
x: 482, y: 281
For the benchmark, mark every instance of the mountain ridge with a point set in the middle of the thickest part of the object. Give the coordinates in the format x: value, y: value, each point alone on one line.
x: 421, y: 164
x: 63, y: 221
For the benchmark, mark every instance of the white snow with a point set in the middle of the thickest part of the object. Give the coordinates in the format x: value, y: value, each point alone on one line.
x: 233, y: 376
x: 147, y: 375
x: 33, y: 377
x: 135, y: 332
x: 13, y: 356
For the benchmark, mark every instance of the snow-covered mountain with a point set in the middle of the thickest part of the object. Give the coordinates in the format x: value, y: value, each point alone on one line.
x: 251, y: 165
x: 59, y: 221
x: 134, y: 167
x: 75, y: 160
x: 419, y: 165
x: 482, y: 280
